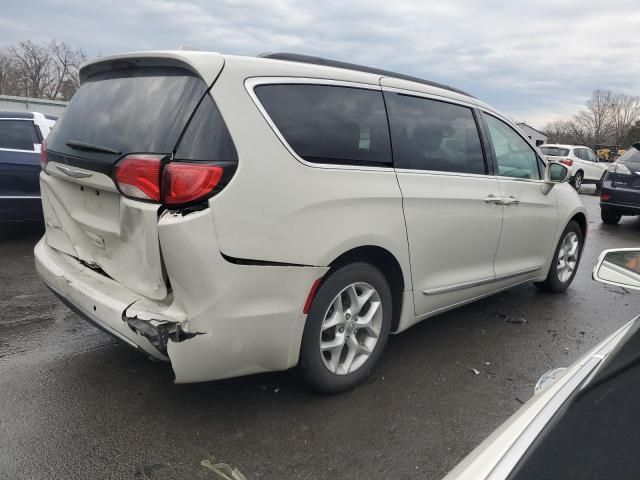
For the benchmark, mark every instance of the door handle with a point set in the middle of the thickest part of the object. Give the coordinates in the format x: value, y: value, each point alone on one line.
x: 511, y: 200
x: 492, y: 199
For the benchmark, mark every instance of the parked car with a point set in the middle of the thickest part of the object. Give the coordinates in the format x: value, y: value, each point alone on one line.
x: 581, y: 423
x: 21, y: 134
x: 582, y: 161
x: 237, y: 215
x: 620, y: 193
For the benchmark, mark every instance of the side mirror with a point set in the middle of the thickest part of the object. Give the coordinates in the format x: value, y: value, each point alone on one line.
x: 619, y: 267
x: 556, y: 173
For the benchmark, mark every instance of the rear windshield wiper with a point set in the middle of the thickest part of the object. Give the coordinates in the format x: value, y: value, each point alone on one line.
x: 90, y: 147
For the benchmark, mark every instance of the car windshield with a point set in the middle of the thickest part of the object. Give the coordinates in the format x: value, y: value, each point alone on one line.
x: 555, y: 151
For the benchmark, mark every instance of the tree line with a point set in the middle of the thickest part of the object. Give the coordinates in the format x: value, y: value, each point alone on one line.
x: 40, y: 70
x: 608, y: 119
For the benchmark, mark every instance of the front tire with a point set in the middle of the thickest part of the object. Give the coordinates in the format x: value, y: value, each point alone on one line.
x: 577, y: 180
x: 566, y: 259
x: 347, y: 328
x: 610, y: 216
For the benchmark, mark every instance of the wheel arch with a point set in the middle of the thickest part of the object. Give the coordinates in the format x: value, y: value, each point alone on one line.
x: 387, y: 263
x: 581, y: 219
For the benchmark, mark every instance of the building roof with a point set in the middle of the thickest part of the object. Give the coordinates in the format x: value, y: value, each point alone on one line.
x: 534, y: 129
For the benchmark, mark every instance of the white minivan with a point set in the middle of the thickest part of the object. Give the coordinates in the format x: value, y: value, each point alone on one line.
x: 236, y: 215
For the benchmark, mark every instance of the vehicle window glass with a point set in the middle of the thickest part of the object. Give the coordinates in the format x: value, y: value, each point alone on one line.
x: 330, y: 124
x: 17, y: 134
x: 432, y: 135
x: 514, y: 156
x: 591, y: 156
x: 207, y: 136
x: 555, y: 151
x: 632, y: 155
x: 129, y: 110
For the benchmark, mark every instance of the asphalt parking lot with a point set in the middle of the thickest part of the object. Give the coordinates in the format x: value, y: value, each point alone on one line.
x: 76, y: 404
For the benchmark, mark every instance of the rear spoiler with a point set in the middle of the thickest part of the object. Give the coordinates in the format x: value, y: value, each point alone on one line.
x: 207, y: 65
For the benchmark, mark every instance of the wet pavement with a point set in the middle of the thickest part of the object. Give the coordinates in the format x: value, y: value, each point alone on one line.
x: 76, y: 404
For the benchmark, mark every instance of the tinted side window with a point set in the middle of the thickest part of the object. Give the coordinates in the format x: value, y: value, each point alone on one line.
x: 207, y: 136
x: 514, y: 156
x: 17, y: 134
x: 432, y: 135
x: 329, y: 124
x: 591, y: 156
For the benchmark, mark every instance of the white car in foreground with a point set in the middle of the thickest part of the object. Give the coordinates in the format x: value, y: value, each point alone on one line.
x: 582, y: 421
x: 583, y: 163
x: 236, y: 215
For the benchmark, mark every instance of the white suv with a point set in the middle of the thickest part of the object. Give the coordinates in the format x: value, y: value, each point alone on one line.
x: 237, y: 215
x: 582, y: 162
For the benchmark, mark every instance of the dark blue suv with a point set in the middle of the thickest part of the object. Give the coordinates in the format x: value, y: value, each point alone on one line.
x: 21, y: 137
x: 620, y: 193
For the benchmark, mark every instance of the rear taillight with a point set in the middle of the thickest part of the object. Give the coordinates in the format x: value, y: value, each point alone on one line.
x: 143, y: 177
x: 43, y: 155
x: 604, y: 197
x: 188, y: 182
x: 622, y: 169
x: 567, y: 161
x: 138, y: 176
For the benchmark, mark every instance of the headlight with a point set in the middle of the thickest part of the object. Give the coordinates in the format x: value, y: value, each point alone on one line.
x: 547, y: 379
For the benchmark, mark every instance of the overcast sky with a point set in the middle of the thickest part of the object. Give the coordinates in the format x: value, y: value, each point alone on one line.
x: 535, y: 61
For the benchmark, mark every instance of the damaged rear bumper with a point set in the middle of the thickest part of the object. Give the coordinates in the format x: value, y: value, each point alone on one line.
x: 93, y: 296
x: 220, y: 320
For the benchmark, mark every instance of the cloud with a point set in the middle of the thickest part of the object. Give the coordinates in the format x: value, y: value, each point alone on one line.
x: 535, y: 61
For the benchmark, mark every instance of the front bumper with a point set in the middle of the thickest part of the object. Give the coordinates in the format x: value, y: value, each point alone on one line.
x: 234, y: 319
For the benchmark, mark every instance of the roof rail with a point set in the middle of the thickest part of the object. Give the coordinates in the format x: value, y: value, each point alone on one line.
x: 297, y: 57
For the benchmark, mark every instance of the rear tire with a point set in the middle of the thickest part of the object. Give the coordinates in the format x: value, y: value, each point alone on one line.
x: 346, y: 329
x: 610, y: 216
x: 577, y: 180
x: 566, y: 259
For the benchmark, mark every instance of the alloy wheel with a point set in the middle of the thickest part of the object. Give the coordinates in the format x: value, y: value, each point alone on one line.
x: 351, y: 328
x: 577, y: 182
x: 568, y: 256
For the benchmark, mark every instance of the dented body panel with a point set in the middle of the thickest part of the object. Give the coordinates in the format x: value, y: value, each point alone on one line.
x: 250, y: 316
x: 89, y: 219
x: 233, y: 319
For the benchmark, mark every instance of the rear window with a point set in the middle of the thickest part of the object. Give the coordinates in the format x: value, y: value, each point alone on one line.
x: 130, y: 110
x: 632, y: 155
x: 18, y: 135
x: 555, y: 151
x: 329, y: 124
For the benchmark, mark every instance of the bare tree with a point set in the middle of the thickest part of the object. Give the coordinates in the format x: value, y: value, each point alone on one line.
x: 40, y: 70
x: 7, y: 74
x: 595, y: 124
x: 560, y: 131
x: 66, y: 63
x: 626, y: 110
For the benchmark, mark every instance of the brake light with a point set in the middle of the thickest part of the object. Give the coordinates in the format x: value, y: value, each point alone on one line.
x: 138, y: 176
x: 567, y: 161
x: 188, y: 182
x: 604, y: 197
x: 43, y: 155
x: 143, y: 177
